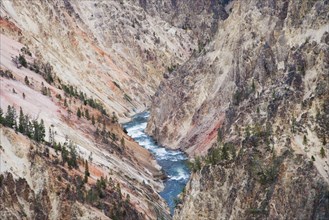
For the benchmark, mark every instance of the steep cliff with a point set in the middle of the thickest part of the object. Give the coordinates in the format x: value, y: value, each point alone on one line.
x: 201, y: 17
x: 81, y: 66
x: 112, y: 50
x: 251, y: 108
x: 62, y: 156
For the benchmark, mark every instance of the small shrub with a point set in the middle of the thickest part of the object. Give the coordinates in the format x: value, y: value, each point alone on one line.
x: 304, y: 140
x: 22, y: 60
x: 58, y: 96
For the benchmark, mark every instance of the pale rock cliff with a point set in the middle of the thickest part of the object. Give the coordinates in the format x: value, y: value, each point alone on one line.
x: 112, y: 50
x: 254, y: 105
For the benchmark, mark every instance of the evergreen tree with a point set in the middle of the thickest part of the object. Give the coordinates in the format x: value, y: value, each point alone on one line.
x: 65, y: 103
x: 42, y: 130
x: 39, y: 131
x: 10, y: 117
x: 35, y: 129
x: 79, y: 113
x: 114, y: 118
x: 253, y: 87
x: 304, y: 140
x: 225, y: 154
x: 29, y: 127
x: 1, y: 116
x: 322, y: 152
x: 72, y: 162
x: 87, y: 114
x: 22, y: 60
x: 51, y: 136
x: 86, y: 172
x: 220, y: 135
x: 122, y: 142
x: 247, y: 132
x: 324, y: 141
x: 93, y: 119
x: 22, y: 123
x: 26, y: 79
x: 65, y: 155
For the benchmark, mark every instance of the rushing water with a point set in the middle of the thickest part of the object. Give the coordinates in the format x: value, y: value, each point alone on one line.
x: 172, y: 162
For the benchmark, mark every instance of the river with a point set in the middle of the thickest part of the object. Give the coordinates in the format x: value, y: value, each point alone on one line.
x: 173, y: 162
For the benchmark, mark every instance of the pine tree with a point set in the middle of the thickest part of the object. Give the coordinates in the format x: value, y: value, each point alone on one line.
x: 253, y: 87
x: 322, y: 152
x: 51, y: 136
x: 65, y: 103
x: 304, y: 140
x: 219, y: 135
x: 42, y: 130
x: 35, y: 130
x: 87, y: 114
x: 10, y: 118
x: 225, y: 155
x: 39, y: 131
x: 26, y: 79
x: 65, y: 155
x: 22, y: 60
x: 1, y: 116
x: 72, y: 162
x: 22, y: 123
x: 23, y: 95
x: 86, y: 172
x: 93, y: 119
x: 29, y: 128
x: 122, y: 142
x: 79, y: 113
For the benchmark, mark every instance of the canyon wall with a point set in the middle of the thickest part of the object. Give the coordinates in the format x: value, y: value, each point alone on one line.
x: 251, y: 109
x: 112, y: 50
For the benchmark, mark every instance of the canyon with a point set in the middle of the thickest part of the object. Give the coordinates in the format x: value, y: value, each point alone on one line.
x: 240, y: 86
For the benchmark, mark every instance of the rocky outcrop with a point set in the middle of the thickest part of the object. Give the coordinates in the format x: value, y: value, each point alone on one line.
x: 255, y: 91
x: 201, y: 17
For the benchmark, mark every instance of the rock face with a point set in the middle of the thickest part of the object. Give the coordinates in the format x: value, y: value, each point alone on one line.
x: 245, y: 93
x: 252, y: 104
x: 112, y: 50
x: 199, y: 16
x: 114, y: 53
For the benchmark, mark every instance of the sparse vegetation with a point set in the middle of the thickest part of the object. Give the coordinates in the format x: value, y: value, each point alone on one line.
x: 267, y: 173
x: 71, y: 91
x: 22, y: 60
x: 31, y: 128
x: 1, y: 179
x: 171, y: 68
x: 26, y: 51
x: 304, y: 140
x: 322, y: 152
x: 7, y: 73
x: 79, y: 113
x: 87, y: 173
x: 195, y: 165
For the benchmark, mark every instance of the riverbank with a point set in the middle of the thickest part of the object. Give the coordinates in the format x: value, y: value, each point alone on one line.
x: 173, y: 162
